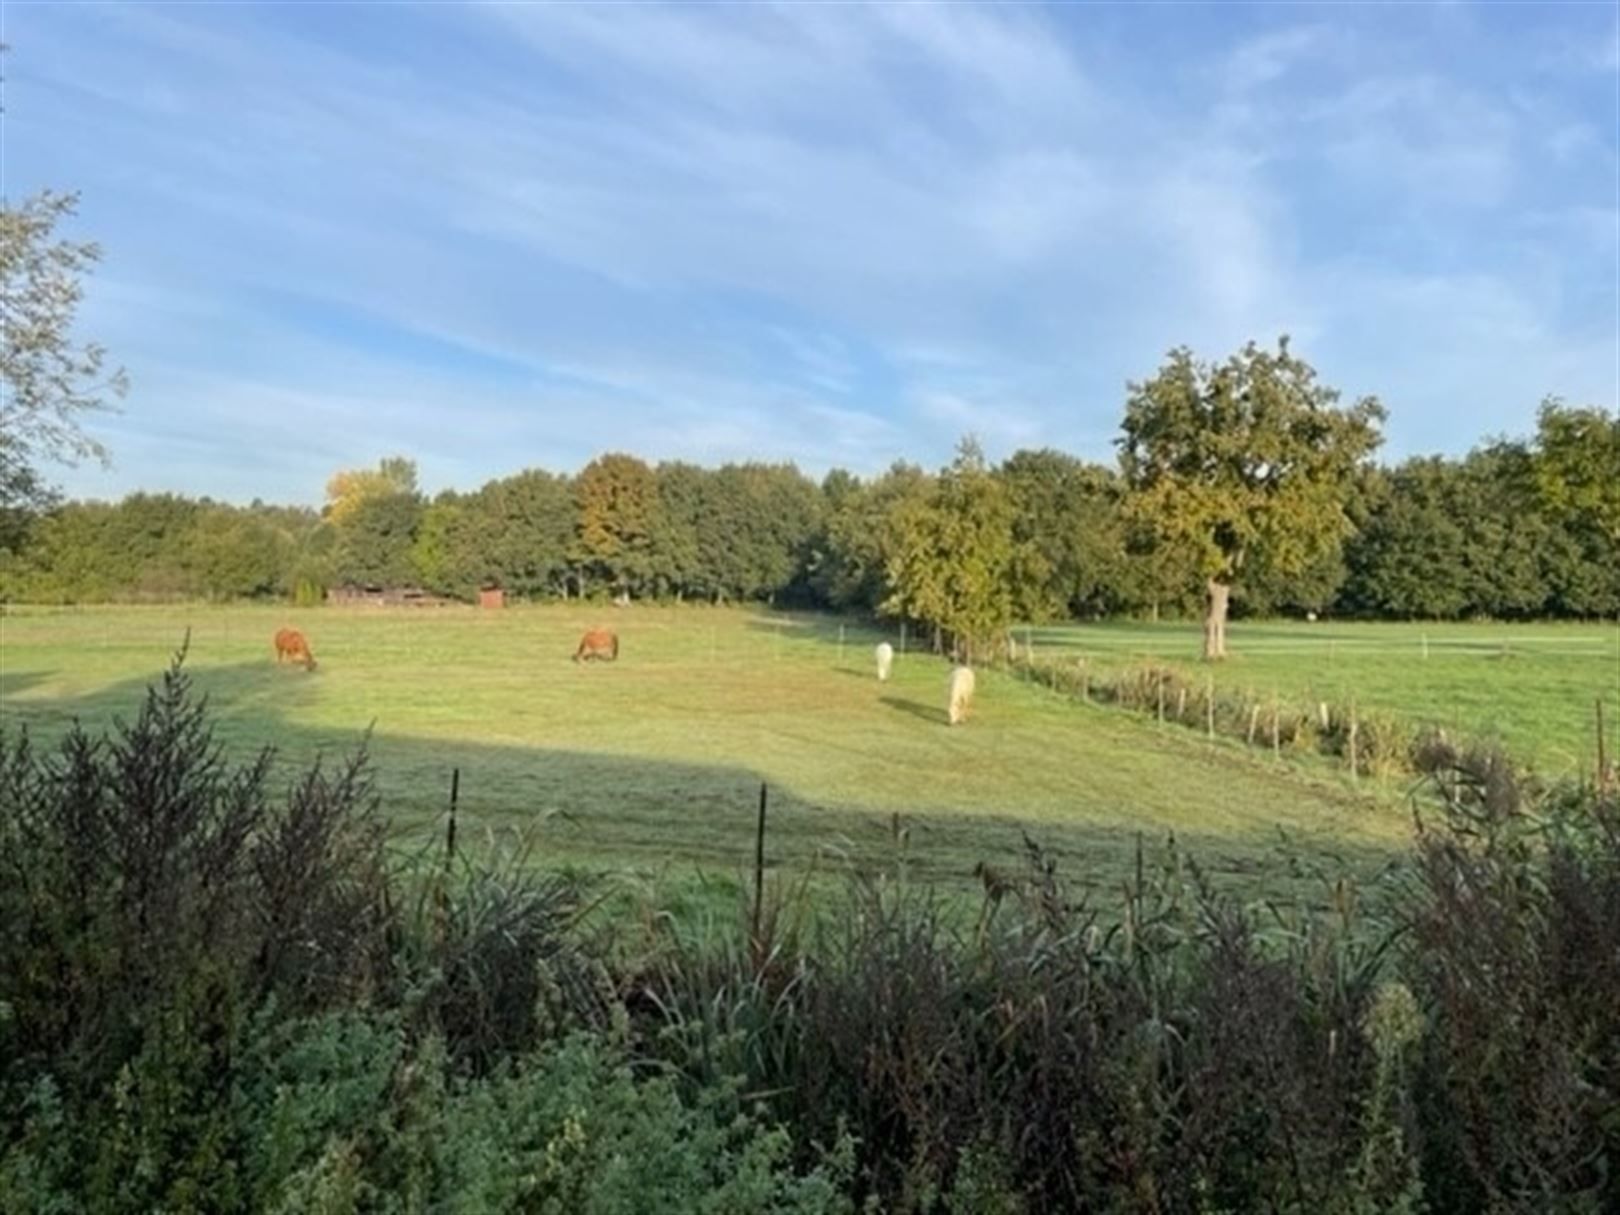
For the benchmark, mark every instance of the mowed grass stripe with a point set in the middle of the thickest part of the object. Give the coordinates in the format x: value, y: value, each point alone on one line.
x: 658, y: 757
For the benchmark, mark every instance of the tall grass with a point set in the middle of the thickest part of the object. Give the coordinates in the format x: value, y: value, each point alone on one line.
x: 1369, y: 743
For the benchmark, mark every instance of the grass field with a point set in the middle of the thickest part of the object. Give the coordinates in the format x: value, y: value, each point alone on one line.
x: 653, y: 764
x: 1531, y: 687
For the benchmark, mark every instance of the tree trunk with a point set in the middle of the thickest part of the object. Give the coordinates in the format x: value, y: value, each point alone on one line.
x: 1220, y: 595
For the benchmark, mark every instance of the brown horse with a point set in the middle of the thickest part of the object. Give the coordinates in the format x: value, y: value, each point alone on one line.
x: 290, y: 643
x: 598, y: 643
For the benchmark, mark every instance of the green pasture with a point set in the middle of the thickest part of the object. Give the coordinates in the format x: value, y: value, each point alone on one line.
x: 1531, y: 687
x: 652, y: 764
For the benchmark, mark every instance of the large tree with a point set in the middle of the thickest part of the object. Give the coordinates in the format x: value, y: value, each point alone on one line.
x: 757, y: 528
x: 1575, y: 474
x: 1408, y: 560
x: 533, y: 513
x: 513, y: 533
x: 1577, y: 466
x: 374, y: 542
x: 678, y: 561
x: 373, y: 514
x: 1248, y: 457
x: 617, y: 501
x: 1474, y: 537
x: 852, y: 567
x: 235, y: 554
x: 1071, y: 536
x: 48, y: 379
x: 951, y: 555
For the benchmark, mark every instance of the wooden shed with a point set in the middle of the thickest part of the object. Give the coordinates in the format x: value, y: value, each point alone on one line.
x: 492, y: 597
x: 372, y: 595
x: 351, y: 595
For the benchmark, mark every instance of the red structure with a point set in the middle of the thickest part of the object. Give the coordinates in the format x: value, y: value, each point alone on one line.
x: 492, y: 597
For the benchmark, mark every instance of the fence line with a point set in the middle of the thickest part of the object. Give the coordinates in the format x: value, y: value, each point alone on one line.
x: 1378, y: 745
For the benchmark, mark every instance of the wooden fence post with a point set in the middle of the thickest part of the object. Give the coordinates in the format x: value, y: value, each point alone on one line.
x: 441, y: 895
x: 450, y: 831
x: 1254, y: 720
x: 1602, y: 758
x: 840, y: 645
x: 759, y: 865
x: 1276, y: 740
x: 1355, y: 760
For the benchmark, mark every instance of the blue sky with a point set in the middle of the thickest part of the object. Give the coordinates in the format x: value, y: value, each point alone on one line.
x: 509, y: 235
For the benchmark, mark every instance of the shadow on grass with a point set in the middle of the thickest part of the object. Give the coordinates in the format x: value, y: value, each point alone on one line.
x: 13, y: 682
x: 917, y: 709
x: 865, y: 674
x: 661, y: 818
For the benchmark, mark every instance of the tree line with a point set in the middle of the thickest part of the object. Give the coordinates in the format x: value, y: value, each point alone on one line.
x: 1516, y: 528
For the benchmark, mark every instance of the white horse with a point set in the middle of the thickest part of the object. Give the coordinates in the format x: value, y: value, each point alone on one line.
x: 885, y: 660
x: 961, y: 694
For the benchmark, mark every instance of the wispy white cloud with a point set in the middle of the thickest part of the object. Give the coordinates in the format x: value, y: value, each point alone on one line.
x: 1270, y: 56
x: 832, y: 233
x: 1420, y: 139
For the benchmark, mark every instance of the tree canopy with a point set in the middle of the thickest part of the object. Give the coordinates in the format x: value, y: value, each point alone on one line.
x: 952, y: 555
x: 348, y: 488
x: 1577, y: 466
x: 49, y: 380
x: 616, y: 498
x: 1251, y: 456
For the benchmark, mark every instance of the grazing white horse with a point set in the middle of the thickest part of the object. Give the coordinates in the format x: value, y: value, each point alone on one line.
x: 961, y: 694
x: 885, y: 660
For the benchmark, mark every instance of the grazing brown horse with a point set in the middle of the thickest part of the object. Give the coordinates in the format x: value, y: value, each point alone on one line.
x: 290, y: 643
x: 598, y: 643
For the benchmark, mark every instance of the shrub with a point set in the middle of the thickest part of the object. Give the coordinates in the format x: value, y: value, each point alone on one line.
x: 1515, y: 952
x: 1048, y: 1060
x: 496, y: 966
x: 141, y: 873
